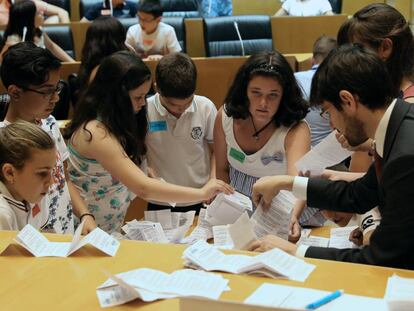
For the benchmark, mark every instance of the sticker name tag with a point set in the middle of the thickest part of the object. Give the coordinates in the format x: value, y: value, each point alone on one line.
x: 237, y: 155
x: 157, y: 126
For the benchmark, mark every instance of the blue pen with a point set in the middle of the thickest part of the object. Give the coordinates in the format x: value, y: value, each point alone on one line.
x: 324, y: 300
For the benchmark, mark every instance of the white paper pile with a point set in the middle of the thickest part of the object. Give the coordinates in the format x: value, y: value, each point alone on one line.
x: 149, y: 285
x: 276, y: 219
x: 227, y: 208
x: 297, y: 298
x: 400, y: 293
x: 325, y: 154
x: 340, y: 237
x: 203, y: 231
x: 274, y: 263
x: 160, y: 226
x: 37, y: 244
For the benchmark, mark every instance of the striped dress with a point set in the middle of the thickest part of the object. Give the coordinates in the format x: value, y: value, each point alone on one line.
x: 245, y: 169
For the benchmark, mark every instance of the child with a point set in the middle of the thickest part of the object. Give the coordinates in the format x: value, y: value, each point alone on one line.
x: 27, y: 157
x: 24, y: 25
x: 259, y: 131
x: 31, y: 77
x: 108, y: 142
x: 151, y: 38
x: 183, y: 124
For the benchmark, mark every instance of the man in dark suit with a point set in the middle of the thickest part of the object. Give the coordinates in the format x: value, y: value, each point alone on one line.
x: 353, y: 88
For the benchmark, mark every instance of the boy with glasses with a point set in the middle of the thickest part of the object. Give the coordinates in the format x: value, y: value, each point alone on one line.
x: 31, y: 76
x: 151, y: 38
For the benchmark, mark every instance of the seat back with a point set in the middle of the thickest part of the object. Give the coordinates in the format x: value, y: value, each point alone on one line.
x: 85, y: 5
x: 62, y: 36
x: 180, y: 8
x: 221, y: 37
x: 64, y: 4
x: 176, y: 22
x: 336, y: 6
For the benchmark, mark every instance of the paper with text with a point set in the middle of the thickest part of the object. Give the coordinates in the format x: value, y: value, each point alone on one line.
x: 325, y: 154
x: 400, y: 293
x: 242, y: 231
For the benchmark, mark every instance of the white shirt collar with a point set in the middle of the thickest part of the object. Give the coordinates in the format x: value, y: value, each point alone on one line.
x: 382, y: 129
x: 164, y: 112
x: 6, y: 193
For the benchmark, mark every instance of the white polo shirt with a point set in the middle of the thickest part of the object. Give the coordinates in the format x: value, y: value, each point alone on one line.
x: 177, y: 149
x: 306, y: 7
x: 163, y: 41
x: 14, y: 215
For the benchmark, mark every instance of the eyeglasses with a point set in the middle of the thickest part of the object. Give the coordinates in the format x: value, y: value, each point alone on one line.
x: 145, y: 21
x: 47, y: 94
x: 325, y: 115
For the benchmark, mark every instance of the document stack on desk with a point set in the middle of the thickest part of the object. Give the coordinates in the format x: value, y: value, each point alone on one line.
x: 37, y: 244
x: 149, y: 285
x: 325, y: 154
x: 203, y: 231
x: 160, y: 226
x: 227, y: 208
x: 339, y: 239
x: 297, y: 298
x: 274, y: 263
x: 400, y: 293
x: 276, y: 219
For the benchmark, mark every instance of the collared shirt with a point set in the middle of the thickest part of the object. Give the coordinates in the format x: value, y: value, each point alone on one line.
x: 300, y: 184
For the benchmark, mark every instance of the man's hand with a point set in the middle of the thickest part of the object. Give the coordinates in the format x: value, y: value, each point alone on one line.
x: 364, y: 147
x: 294, y: 230
x: 356, y: 236
x: 266, y: 188
x: 271, y: 241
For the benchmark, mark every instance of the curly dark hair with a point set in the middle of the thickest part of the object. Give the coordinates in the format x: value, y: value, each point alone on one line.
x: 107, y: 99
x: 293, y: 107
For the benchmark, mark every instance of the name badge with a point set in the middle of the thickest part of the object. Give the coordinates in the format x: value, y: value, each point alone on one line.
x: 157, y: 126
x: 237, y: 155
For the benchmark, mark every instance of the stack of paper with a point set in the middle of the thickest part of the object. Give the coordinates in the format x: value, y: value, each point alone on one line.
x: 340, y: 237
x: 313, y: 241
x: 150, y: 285
x: 274, y: 263
x: 203, y: 231
x: 400, y: 293
x: 160, y: 226
x: 227, y: 208
x: 276, y: 219
x: 298, y: 298
x: 39, y: 246
x: 325, y: 154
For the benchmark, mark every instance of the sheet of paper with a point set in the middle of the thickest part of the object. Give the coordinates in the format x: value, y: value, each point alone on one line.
x: 39, y: 246
x: 340, y: 237
x: 274, y: 295
x: 314, y: 241
x: 242, y: 231
x: 222, y: 238
x: 227, y: 208
x: 284, y: 264
x: 149, y: 285
x: 327, y: 153
x: 162, y: 216
x: 276, y: 219
x: 400, y: 293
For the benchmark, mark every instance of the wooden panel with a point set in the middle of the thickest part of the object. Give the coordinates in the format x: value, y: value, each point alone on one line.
x: 136, y: 209
x: 79, y: 35
x: 194, y: 34
x: 405, y: 7
x: 247, y: 7
x: 297, y: 34
x: 349, y: 7
x: 74, y: 10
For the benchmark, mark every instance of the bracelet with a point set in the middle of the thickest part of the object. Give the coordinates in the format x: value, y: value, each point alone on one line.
x: 86, y: 214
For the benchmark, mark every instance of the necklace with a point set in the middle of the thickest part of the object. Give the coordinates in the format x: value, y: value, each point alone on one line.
x: 258, y: 131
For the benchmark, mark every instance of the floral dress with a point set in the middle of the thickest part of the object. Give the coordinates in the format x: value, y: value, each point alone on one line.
x: 106, y: 197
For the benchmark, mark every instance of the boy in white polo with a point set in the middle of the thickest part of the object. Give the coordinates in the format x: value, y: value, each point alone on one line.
x: 180, y: 134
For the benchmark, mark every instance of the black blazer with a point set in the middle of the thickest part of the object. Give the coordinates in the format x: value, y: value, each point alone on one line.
x: 392, y: 242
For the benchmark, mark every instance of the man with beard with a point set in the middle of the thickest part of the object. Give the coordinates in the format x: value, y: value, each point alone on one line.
x: 353, y: 88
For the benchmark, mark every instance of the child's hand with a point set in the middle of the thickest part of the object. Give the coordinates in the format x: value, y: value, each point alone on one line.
x: 89, y: 224
x: 214, y: 187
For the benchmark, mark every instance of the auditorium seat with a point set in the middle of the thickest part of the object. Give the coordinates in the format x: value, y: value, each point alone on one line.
x: 181, y: 8
x: 85, y: 5
x: 176, y: 22
x: 64, y: 4
x: 221, y: 37
x: 336, y: 6
x: 62, y: 36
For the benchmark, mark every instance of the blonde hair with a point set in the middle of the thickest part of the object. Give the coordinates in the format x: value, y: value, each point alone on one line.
x: 17, y: 140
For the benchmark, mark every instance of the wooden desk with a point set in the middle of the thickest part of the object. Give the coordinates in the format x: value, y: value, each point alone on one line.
x: 29, y: 283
